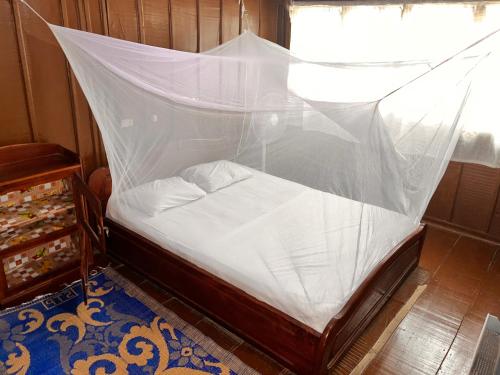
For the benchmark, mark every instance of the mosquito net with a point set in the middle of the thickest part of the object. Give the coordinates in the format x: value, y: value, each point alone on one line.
x: 341, y: 169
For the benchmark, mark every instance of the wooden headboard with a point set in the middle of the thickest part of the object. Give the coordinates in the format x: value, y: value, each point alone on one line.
x: 100, y: 183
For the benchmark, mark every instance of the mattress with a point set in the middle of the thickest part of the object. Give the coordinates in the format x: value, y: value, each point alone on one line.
x: 298, y: 249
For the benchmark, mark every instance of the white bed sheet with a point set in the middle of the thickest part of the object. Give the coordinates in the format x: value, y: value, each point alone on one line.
x: 257, y: 235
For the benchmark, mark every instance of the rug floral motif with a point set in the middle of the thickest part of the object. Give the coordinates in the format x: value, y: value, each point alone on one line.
x: 119, y: 331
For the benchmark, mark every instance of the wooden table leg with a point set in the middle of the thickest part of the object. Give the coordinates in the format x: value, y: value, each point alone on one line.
x: 84, y: 266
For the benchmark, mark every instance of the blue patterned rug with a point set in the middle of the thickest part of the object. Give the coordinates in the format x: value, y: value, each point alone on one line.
x: 120, y: 331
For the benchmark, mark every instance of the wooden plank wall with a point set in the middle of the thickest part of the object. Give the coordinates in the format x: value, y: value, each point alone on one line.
x: 467, y: 199
x: 40, y: 100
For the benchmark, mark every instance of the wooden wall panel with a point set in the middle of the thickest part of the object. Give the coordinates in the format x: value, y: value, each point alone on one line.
x: 251, y: 15
x: 494, y: 229
x: 82, y: 116
x: 156, y: 22
x: 123, y: 19
x: 283, y: 18
x: 476, y: 197
x: 467, y: 200
x: 45, y: 75
x: 93, y: 16
x: 269, y: 21
x: 13, y: 104
x: 210, y: 26
x: 231, y: 10
x: 443, y: 201
x: 184, y: 18
x: 70, y: 11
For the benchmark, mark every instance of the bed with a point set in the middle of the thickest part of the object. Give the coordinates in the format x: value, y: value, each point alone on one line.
x: 303, y: 305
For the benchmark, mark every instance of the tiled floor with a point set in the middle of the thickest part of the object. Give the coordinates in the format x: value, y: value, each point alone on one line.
x: 437, y: 336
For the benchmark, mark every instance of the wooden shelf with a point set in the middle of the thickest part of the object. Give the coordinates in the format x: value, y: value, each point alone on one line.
x: 39, y: 227
x: 29, y: 213
x: 25, y: 165
x: 51, y: 282
x: 35, y: 268
x: 15, y: 249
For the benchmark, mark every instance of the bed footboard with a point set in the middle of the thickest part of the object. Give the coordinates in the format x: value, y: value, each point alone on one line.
x: 374, y: 292
x: 279, y: 335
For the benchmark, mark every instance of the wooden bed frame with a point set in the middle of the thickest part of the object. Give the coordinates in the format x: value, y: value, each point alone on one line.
x: 291, y: 342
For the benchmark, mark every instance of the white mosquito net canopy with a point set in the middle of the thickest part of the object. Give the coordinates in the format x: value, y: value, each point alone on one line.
x: 160, y: 111
x: 363, y: 160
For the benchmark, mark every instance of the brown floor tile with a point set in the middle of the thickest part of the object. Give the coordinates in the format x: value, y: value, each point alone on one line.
x: 442, y: 306
x: 156, y: 292
x: 113, y: 262
x: 469, y: 257
x: 438, y: 244
x: 130, y: 274
x: 491, y: 283
x: 495, y: 265
x: 441, y: 330
x: 418, y: 346
x: 418, y: 277
x: 459, y: 357
x: 258, y: 360
x: 184, y: 311
x: 460, y: 284
x: 361, y: 347
x: 486, y: 303
x: 220, y: 335
x: 102, y: 261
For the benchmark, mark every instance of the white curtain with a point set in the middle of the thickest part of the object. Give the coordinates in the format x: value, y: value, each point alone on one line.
x: 398, y: 42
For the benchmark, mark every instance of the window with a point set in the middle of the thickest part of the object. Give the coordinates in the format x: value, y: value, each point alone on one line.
x: 423, y: 34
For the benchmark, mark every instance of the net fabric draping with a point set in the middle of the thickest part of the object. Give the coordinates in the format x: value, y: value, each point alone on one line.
x: 161, y: 110
x: 367, y: 166
x: 402, y: 35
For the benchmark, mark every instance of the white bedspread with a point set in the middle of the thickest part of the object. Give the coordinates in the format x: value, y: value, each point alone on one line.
x: 253, y: 234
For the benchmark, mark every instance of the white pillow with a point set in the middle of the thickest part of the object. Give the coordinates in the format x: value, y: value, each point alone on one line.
x: 159, y: 195
x: 215, y: 175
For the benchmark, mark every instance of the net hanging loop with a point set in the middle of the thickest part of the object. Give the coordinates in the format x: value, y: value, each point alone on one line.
x: 245, y: 21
